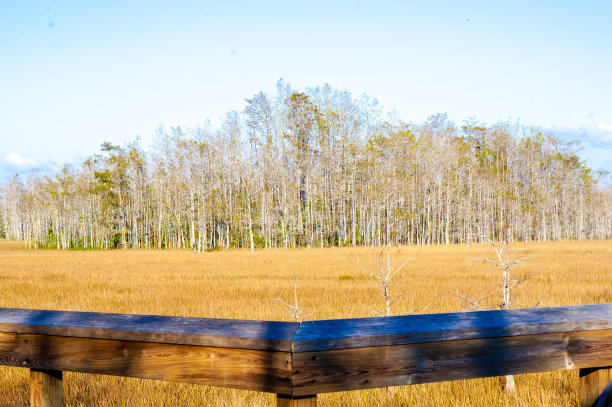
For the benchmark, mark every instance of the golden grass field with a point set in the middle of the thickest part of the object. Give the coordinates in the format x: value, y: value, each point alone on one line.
x: 242, y: 284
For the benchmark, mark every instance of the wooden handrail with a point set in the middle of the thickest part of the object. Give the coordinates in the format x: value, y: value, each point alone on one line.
x: 299, y: 360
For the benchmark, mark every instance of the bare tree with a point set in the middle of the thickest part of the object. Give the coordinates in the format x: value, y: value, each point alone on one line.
x: 503, y: 265
x: 294, y: 309
x: 385, y: 272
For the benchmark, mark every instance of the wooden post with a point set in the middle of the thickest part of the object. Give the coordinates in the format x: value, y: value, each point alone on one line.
x: 45, y: 388
x: 296, y: 401
x: 592, y: 384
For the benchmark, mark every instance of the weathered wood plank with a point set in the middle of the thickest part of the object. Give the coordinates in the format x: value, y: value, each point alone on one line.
x: 296, y: 401
x: 251, y: 369
x: 314, y: 357
x: 228, y: 333
x: 363, y: 332
x: 45, y: 388
x: 593, y: 383
x: 380, y: 366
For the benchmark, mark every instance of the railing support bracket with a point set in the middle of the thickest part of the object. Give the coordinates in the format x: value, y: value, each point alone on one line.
x: 596, y: 387
x: 45, y: 388
x: 296, y: 401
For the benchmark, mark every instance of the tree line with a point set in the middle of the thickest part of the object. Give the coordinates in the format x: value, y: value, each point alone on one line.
x: 314, y: 168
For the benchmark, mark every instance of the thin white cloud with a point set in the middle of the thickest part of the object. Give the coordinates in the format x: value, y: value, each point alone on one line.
x: 17, y: 162
x: 596, y: 129
x: 597, y: 134
x: 605, y: 127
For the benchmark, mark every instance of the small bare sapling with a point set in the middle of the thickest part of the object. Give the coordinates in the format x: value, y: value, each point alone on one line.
x: 387, y: 270
x: 294, y: 309
x: 502, y: 264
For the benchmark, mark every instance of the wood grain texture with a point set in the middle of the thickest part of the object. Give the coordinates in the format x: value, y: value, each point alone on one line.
x: 45, y: 388
x: 296, y: 401
x: 312, y: 357
x: 268, y: 371
x: 380, y: 366
x: 363, y: 332
x: 228, y: 333
x: 593, y: 382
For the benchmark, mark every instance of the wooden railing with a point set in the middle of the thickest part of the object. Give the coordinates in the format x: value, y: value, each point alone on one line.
x: 299, y: 360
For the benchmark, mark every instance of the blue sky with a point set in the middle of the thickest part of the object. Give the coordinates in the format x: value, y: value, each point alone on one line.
x: 74, y: 74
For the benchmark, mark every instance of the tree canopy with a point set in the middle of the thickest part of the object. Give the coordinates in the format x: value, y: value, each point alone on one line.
x: 314, y: 168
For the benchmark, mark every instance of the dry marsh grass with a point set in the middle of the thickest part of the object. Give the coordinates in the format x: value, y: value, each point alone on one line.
x: 241, y: 284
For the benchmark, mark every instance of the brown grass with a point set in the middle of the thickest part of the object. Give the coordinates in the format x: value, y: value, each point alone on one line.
x: 241, y: 284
